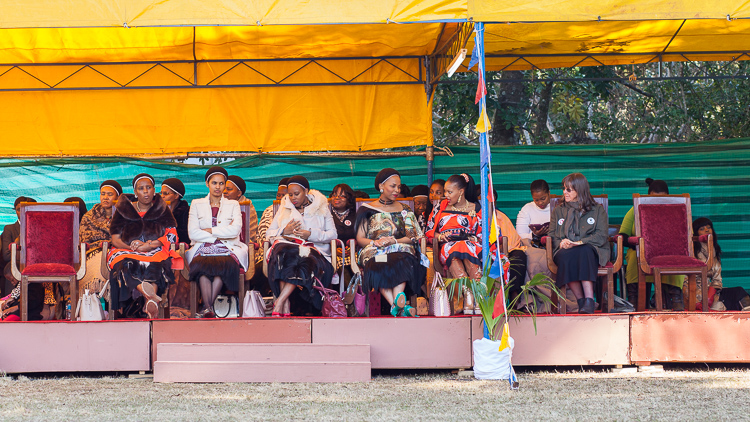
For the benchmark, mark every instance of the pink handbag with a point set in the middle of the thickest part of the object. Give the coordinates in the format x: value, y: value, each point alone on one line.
x: 333, y: 304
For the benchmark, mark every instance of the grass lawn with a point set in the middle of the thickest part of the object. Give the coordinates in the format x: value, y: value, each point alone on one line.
x: 679, y: 393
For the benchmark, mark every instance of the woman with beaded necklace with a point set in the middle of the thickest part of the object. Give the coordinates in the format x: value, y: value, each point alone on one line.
x: 457, y: 223
x: 388, y: 232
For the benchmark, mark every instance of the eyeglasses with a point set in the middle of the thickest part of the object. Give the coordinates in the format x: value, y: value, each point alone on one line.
x: 567, y: 189
x: 341, y: 195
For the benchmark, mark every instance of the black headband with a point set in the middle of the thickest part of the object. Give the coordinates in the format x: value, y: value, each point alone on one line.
x: 143, y: 176
x: 175, y: 185
x: 299, y: 180
x: 384, y: 175
x: 216, y: 170
x: 111, y: 184
x: 237, y: 181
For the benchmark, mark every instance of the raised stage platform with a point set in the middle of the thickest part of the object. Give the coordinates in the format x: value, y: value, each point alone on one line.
x: 400, y: 343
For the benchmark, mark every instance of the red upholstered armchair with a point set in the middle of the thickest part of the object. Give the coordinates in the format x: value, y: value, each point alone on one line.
x: 49, y: 249
x: 663, y: 233
x: 607, y: 271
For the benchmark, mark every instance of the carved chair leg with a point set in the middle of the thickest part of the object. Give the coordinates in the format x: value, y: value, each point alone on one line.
x: 610, y: 291
x: 691, y: 292
x: 24, y: 299
x: 704, y: 289
x: 641, y: 291
x: 657, y: 290
x: 562, y: 307
x: 193, y: 299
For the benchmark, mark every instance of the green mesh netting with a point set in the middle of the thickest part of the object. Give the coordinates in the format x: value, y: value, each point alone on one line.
x: 716, y: 175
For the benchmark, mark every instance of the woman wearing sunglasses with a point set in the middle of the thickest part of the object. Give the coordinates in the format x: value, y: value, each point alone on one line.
x: 579, y: 231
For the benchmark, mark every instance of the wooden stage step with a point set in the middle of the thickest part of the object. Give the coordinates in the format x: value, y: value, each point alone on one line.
x: 262, y: 362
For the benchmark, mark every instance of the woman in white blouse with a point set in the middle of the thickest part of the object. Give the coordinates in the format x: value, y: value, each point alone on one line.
x: 301, y: 232
x: 216, y: 254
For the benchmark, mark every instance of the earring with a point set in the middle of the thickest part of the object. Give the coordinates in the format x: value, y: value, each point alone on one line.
x: 381, y: 190
x: 460, y: 195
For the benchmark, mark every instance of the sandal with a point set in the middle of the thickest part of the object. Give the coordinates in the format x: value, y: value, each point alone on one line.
x: 148, y: 289
x: 152, y: 314
x: 409, y: 312
x: 276, y: 315
x: 400, y: 301
x: 395, y: 311
x: 286, y: 315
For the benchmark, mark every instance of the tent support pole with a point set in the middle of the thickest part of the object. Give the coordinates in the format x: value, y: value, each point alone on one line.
x: 430, y: 156
x: 484, y: 151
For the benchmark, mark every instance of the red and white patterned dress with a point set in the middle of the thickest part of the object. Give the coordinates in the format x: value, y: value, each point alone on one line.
x: 446, y: 220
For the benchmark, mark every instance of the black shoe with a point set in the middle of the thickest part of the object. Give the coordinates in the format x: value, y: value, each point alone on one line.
x: 581, y: 301
x: 675, y: 297
x: 588, y: 306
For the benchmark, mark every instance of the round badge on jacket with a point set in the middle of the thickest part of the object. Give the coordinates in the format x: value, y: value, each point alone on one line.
x: 560, y: 221
x: 347, y: 222
x: 590, y: 220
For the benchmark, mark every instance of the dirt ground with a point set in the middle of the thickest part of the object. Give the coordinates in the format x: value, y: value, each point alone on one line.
x: 679, y: 393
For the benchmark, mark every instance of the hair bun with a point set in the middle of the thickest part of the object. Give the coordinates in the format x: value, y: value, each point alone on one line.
x: 649, y: 180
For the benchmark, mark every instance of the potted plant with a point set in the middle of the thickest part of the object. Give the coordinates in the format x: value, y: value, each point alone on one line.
x: 492, y: 353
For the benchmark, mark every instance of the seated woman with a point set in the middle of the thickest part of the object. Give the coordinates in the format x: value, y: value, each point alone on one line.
x: 235, y: 190
x: 215, y: 257
x: 720, y: 298
x: 422, y: 205
x: 172, y: 192
x: 267, y: 217
x: 82, y: 209
x: 388, y: 233
x: 344, y: 210
x: 579, y: 232
x: 140, y: 259
x: 457, y: 225
x: 301, y: 233
x: 532, y: 222
x: 437, y: 189
x: 672, y: 295
x: 95, y: 231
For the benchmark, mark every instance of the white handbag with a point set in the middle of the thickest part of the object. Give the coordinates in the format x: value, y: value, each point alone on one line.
x: 226, y: 307
x: 254, y: 306
x: 89, y: 307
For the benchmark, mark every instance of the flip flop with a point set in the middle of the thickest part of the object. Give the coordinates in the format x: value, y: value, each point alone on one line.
x: 152, y: 314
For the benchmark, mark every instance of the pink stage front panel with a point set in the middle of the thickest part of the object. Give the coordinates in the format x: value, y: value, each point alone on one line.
x: 691, y: 337
x: 426, y: 342
x: 568, y: 340
x: 232, y: 330
x: 75, y: 346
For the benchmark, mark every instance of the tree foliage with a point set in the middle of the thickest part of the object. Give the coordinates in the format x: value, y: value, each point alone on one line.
x: 604, y: 104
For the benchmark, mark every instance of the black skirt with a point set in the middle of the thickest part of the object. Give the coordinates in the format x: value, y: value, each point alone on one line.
x: 285, y: 264
x: 224, y: 267
x: 401, y: 267
x: 579, y: 263
x: 129, y: 273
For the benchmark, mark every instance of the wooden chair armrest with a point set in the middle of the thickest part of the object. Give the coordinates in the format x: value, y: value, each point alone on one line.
x: 250, y: 272
x: 353, y: 256
x: 547, y: 242
x: 185, y: 271
x: 436, y: 264
x: 642, y: 256
x: 265, y: 253
x: 13, y: 266
x: 505, y: 245
x: 618, y: 262
x: 709, y: 239
x: 82, y: 263
x: 104, y: 266
x: 423, y: 244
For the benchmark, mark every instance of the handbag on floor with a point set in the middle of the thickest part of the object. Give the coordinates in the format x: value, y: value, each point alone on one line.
x: 440, y: 303
x: 355, y: 299
x: 89, y: 307
x: 226, y: 307
x: 333, y: 305
x: 254, y: 306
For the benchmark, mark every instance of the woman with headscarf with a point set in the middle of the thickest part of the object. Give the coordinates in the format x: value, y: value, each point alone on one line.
x: 140, y: 259
x: 235, y: 189
x: 301, y: 233
x: 388, y: 232
x: 173, y: 192
x: 94, y: 231
x: 216, y: 255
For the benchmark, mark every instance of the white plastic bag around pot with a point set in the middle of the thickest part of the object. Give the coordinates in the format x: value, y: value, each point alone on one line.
x: 489, y: 362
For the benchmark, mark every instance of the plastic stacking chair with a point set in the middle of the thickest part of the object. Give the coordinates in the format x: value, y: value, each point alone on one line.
x: 663, y: 233
x: 607, y: 271
x: 50, y: 252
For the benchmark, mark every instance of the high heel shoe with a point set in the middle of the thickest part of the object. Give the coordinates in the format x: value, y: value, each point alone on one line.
x: 469, y: 305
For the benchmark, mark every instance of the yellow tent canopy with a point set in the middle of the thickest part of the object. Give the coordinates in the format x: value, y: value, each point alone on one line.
x: 112, y: 77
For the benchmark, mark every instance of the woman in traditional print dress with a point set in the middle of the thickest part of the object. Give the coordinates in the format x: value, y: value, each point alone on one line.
x: 142, y: 233
x: 388, y: 234
x: 214, y: 225
x: 457, y: 225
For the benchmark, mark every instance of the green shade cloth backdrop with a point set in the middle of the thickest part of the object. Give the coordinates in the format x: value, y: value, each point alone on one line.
x: 716, y: 174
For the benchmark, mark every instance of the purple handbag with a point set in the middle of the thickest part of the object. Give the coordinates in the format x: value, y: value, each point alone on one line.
x: 333, y: 304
